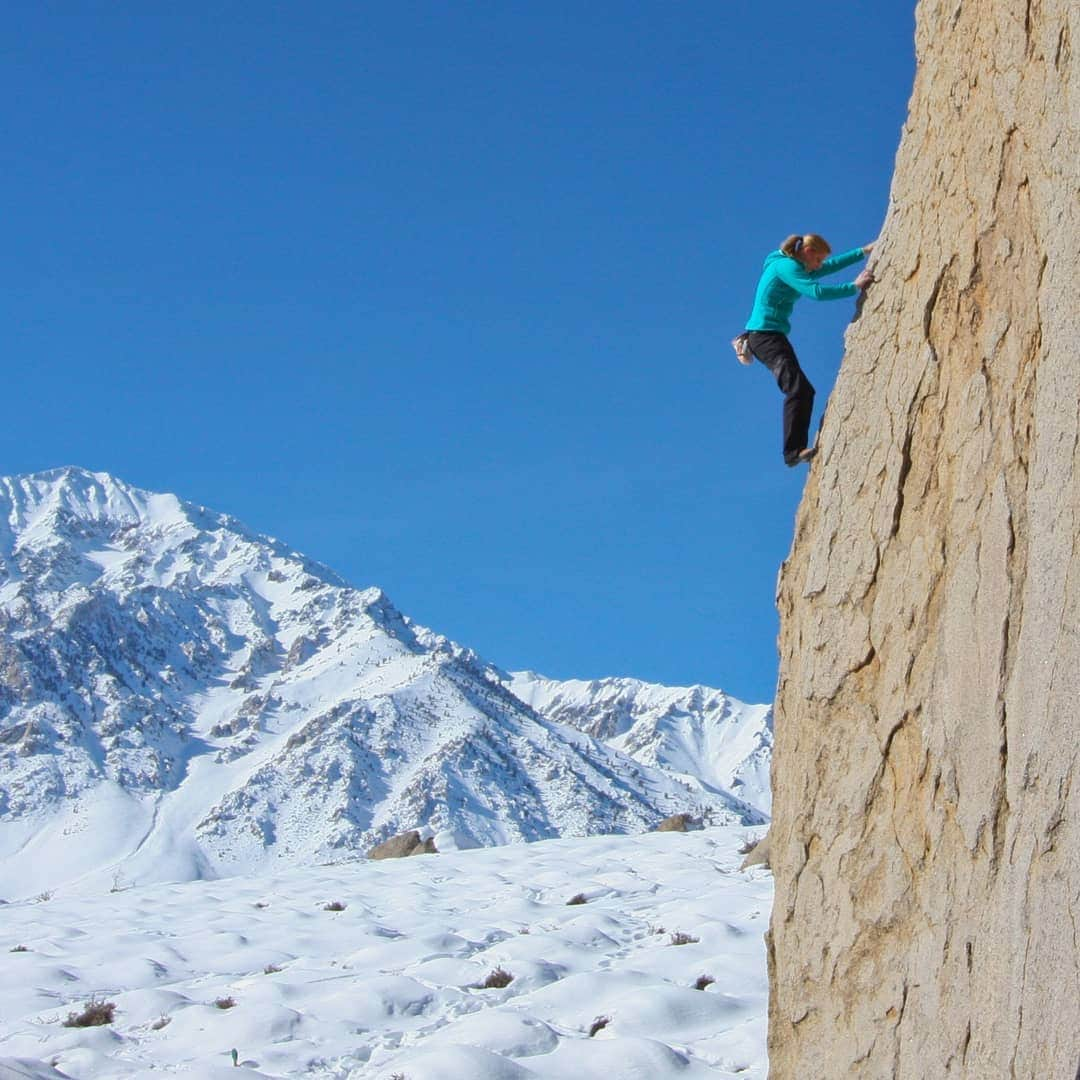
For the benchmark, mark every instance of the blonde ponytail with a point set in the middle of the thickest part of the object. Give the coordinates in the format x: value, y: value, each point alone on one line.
x: 794, y: 246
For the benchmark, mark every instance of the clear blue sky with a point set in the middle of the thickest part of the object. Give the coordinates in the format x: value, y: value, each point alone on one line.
x: 441, y: 293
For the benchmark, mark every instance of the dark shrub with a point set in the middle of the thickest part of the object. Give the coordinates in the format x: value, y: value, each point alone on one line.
x: 96, y: 1014
x: 599, y: 1024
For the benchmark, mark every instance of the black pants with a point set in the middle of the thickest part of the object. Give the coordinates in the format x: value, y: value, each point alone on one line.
x: 775, y: 352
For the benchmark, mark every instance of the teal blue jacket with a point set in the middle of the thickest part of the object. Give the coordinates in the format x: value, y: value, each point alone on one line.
x: 784, y: 280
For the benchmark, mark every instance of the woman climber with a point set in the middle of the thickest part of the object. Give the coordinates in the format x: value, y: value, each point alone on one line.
x: 791, y: 272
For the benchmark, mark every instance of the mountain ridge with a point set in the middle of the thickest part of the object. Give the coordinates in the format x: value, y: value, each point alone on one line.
x: 184, y: 698
x: 694, y: 730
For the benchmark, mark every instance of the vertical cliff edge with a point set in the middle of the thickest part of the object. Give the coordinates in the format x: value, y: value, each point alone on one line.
x: 926, y: 835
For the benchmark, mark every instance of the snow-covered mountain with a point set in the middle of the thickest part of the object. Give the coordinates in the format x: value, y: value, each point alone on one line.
x: 694, y: 730
x: 182, y: 698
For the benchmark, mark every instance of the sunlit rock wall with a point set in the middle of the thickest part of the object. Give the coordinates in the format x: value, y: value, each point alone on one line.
x: 926, y: 836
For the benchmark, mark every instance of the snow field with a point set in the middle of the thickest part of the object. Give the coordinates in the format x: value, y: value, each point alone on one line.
x: 390, y: 986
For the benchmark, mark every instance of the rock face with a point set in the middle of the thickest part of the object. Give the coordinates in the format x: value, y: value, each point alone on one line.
x: 678, y: 823
x: 926, y: 833
x: 403, y: 845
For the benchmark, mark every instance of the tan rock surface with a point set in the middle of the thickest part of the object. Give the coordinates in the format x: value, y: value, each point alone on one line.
x: 926, y: 832
x: 678, y: 823
x: 402, y: 846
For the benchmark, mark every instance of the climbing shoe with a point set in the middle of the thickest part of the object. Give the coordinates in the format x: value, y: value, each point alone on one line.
x: 741, y: 345
x: 797, y: 459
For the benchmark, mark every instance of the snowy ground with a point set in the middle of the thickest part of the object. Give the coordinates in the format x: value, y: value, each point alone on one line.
x: 388, y: 987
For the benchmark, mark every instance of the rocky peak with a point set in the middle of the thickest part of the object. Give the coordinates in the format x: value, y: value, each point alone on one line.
x: 186, y: 698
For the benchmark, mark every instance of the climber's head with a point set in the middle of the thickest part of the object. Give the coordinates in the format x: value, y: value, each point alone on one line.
x: 811, y: 250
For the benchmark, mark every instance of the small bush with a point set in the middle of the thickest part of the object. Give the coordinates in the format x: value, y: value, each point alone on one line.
x: 96, y: 1014
x: 225, y: 1003
x: 161, y: 1021
x: 497, y: 980
x: 748, y: 845
x: 703, y: 981
x: 679, y: 938
x: 271, y: 969
x: 43, y: 897
x: 599, y: 1024
x: 260, y: 904
x: 334, y: 905
x: 578, y: 899
x: 20, y: 948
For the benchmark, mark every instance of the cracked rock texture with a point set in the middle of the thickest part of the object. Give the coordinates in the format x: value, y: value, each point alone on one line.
x: 926, y: 835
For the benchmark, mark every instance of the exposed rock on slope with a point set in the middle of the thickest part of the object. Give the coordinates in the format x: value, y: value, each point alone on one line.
x: 926, y: 835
